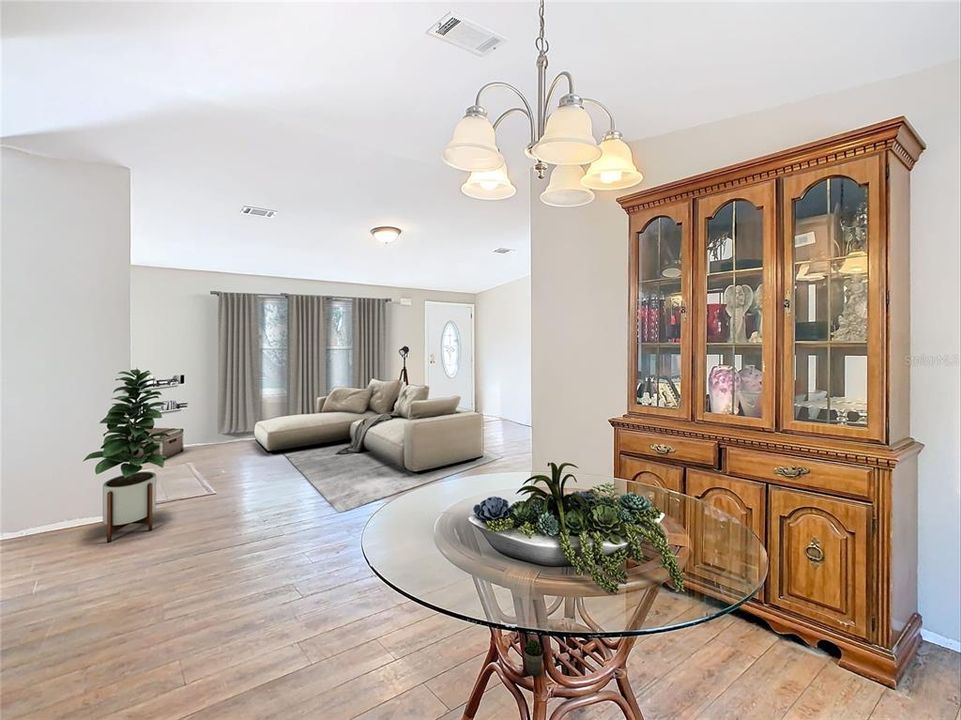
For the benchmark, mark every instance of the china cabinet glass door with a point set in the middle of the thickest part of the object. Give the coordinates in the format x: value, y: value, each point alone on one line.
x: 660, y: 276
x: 734, y: 321
x: 834, y: 334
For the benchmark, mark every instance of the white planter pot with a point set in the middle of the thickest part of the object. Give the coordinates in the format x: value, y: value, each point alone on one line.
x: 127, y: 500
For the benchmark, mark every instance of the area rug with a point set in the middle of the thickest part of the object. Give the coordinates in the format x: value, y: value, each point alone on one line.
x: 179, y: 482
x: 349, y: 481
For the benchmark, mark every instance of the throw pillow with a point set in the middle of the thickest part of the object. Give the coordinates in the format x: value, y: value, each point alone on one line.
x: 408, y: 394
x: 433, y: 408
x: 352, y: 400
x: 383, y: 395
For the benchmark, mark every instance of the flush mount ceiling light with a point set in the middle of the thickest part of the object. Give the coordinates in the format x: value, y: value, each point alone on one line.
x: 385, y: 233
x: 565, y: 139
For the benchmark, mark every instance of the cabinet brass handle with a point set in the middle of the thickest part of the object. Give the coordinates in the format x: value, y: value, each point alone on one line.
x: 790, y: 472
x: 814, y: 552
x: 662, y: 449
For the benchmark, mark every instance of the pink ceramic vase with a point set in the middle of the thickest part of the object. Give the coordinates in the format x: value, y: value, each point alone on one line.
x: 722, y: 386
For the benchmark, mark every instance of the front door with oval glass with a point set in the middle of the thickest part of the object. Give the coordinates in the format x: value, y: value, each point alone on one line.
x: 449, y: 351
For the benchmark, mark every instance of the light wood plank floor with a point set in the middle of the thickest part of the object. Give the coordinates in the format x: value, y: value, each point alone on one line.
x: 257, y: 603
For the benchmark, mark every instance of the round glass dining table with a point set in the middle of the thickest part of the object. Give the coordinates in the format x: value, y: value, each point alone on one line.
x: 554, y: 633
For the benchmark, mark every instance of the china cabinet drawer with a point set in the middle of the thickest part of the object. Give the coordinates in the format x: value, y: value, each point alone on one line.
x: 801, y: 472
x: 819, y: 558
x: 666, y: 447
x: 717, y: 554
x: 632, y: 469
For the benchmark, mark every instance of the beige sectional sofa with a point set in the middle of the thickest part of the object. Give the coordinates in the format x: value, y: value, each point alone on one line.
x: 422, y: 441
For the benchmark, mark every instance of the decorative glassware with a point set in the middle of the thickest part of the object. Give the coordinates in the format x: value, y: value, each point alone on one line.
x: 722, y: 386
x: 749, y: 388
x: 718, y: 325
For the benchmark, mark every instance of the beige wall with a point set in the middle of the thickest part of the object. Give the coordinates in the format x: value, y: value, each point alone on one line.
x: 503, y: 328
x: 579, y: 297
x: 173, y: 329
x: 65, y: 331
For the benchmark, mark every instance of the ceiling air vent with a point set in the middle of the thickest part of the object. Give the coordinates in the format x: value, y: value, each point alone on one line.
x: 465, y: 34
x: 503, y: 251
x: 258, y: 211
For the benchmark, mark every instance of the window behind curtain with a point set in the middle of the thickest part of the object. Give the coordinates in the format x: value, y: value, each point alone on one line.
x: 340, y: 330
x: 273, y: 354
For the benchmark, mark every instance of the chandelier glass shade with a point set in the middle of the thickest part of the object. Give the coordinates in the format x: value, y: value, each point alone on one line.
x: 568, y: 138
x: 489, y: 185
x: 563, y: 138
x: 473, y: 146
x: 565, y: 188
x: 614, y: 169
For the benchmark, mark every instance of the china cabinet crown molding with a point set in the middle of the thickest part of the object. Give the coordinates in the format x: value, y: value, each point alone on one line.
x: 817, y: 455
x: 895, y: 135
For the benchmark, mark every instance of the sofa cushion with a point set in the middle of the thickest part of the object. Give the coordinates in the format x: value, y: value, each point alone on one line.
x: 434, y: 407
x: 408, y: 394
x: 383, y: 395
x: 352, y: 400
x: 386, y: 441
x: 292, y: 431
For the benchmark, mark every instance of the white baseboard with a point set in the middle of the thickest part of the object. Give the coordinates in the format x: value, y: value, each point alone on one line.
x: 944, y: 642
x: 54, y: 526
x: 245, y: 438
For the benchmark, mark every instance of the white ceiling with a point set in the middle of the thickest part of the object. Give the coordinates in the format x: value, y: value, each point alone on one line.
x: 335, y: 113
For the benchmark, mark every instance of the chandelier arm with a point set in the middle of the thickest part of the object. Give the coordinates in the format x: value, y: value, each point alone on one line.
x: 520, y: 110
x: 526, y: 109
x: 603, y: 107
x: 570, y: 88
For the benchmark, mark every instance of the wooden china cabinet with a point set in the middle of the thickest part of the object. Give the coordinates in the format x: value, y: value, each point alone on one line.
x: 768, y: 375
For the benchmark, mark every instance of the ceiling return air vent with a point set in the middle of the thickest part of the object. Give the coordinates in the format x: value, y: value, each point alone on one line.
x: 258, y: 211
x: 465, y: 34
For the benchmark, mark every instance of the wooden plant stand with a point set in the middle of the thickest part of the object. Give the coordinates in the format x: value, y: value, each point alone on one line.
x: 148, y: 521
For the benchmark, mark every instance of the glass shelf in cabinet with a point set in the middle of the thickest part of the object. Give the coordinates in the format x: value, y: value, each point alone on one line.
x: 736, y: 271
x: 736, y: 346
x: 832, y: 343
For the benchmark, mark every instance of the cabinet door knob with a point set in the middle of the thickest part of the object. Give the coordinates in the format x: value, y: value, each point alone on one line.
x: 814, y: 552
x: 662, y: 449
x: 790, y: 472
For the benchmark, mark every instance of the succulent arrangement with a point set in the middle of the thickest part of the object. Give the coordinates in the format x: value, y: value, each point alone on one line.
x: 593, y: 517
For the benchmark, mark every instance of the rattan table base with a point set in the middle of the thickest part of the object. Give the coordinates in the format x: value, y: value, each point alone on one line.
x: 580, y: 670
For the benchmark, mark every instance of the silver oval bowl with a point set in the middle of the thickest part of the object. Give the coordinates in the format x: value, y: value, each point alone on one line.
x: 539, y: 549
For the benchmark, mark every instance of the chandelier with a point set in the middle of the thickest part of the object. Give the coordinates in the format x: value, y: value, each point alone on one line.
x: 564, y: 139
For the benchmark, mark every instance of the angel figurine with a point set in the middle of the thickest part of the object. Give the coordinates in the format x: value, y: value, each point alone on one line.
x: 738, y: 300
x: 853, y: 320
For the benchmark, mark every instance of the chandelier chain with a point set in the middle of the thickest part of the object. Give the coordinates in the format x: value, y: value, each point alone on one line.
x: 541, y: 43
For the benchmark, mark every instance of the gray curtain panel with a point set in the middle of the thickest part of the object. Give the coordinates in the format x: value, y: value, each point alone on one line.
x: 239, y: 362
x: 306, y: 352
x: 369, y: 340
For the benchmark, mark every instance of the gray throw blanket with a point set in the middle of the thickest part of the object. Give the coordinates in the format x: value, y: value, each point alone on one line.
x: 357, y: 443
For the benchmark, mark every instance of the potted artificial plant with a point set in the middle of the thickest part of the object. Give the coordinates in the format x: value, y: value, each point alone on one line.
x: 129, y: 443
